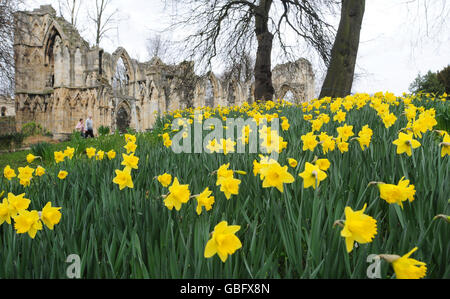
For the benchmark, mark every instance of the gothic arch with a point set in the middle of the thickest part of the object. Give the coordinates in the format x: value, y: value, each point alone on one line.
x: 67, y: 112
x: 53, y: 41
x: 36, y: 31
x: 76, y: 98
x: 286, y: 90
x: 123, y: 116
x: 138, y: 114
x: 36, y: 57
x: 232, y: 88
x: 49, y: 40
x: 122, y: 53
x: 211, y: 90
x: 26, y: 104
x: 38, y: 104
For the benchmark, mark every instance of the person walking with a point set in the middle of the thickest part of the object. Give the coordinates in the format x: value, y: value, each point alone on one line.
x: 80, y: 128
x: 89, y: 127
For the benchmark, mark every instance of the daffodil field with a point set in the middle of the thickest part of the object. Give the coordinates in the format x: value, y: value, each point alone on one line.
x: 358, y: 183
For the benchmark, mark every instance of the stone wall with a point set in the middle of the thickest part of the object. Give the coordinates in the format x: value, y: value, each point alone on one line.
x: 61, y: 79
x: 7, y: 107
x: 7, y: 125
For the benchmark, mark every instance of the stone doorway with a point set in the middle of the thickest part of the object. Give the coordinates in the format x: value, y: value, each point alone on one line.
x: 123, y: 120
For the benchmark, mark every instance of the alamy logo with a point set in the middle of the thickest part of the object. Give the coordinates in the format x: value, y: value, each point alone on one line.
x: 374, y: 269
x: 74, y: 269
x: 236, y: 136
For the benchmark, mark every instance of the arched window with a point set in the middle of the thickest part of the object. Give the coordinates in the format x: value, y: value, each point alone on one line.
x: 289, y: 96
x: 231, y: 96
x: 209, y: 94
x: 51, y: 50
x: 3, y: 111
x: 121, y: 78
x: 123, y: 118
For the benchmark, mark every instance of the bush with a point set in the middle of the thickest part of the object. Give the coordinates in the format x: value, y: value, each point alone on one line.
x: 103, y: 131
x: 32, y: 129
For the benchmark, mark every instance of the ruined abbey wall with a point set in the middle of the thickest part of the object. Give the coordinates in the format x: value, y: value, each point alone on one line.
x: 60, y: 79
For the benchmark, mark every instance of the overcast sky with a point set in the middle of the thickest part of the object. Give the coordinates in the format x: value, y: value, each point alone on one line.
x: 394, y: 48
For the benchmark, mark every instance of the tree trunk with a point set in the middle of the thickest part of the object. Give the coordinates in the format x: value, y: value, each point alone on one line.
x: 339, y: 79
x: 264, y: 90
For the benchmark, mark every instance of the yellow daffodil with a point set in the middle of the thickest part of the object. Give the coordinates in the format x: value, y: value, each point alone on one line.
x: 340, y: 116
x: 285, y: 125
x: 312, y: 176
x: 327, y: 142
x: 100, y: 155
x: 365, y: 137
x: 130, y: 161
x: 59, y: 157
x: 28, y: 222
x: 50, y: 215
x: 345, y: 132
x: 111, y: 154
x: 69, y: 152
x: 230, y: 186
x: 292, y: 162
x: 9, y: 173
x: 405, y: 144
x: 223, y: 173
x: 25, y: 174
x: 406, y: 267
x: 179, y: 194
x: 167, y: 143
x: 275, y: 176
x: 323, y: 164
x: 40, y: 171
x: 17, y: 203
x: 397, y: 193
x: 62, y: 174
x: 165, y: 180
x: 31, y: 158
x: 358, y: 227
x: 445, y: 146
x: 204, y: 200
x: 132, y: 138
x: 389, y: 119
x: 309, y: 141
x: 316, y: 124
x: 213, y: 146
x: 5, y: 212
x: 227, y: 146
x: 123, y: 178
x: 342, y: 146
x: 130, y: 147
x: 91, y: 152
x: 223, y: 242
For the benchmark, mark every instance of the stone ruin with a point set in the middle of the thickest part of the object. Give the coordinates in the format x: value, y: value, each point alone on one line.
x: 60, y: 79
x: 7, y: 107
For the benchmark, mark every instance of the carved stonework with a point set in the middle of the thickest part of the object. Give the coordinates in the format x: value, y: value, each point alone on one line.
x: 61, y: 79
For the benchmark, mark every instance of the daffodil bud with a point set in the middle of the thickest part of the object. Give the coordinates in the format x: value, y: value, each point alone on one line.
x: 445, y: 217
x: 390, y: 258
x: 338, y: 222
